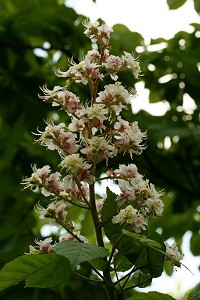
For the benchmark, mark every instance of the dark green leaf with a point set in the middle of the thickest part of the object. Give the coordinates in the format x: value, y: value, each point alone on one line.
x: 194, y: 293
x: 78, y: 253
x: 122, y: 264
x: 44, y: 270
x: 150, y: 296
x: 155, y: 258
x: 142, y: 279
x: 110, y: 208
x: 194, y: 244
x: 53, y: 274
x: 99, y: 264
x: 197, y: 6
x: 196, y: 296
x: 174, y: 4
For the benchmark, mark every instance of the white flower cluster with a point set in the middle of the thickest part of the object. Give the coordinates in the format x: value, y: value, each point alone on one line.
x: 96, y: 132
x: 138, y: 199
x: 174, y: 254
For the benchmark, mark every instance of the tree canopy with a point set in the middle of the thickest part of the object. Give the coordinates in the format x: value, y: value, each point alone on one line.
x: 38, y: 36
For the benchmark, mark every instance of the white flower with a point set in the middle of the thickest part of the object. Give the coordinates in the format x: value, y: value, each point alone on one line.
x: 49, y: 94
x: 176, y: 256
x: 74, y: 163
x: 45, y: 245
x: 55, y: 211
x: 98, y: 149
x: 96, y: 111
x: 104, y: 33
x: 68, y: 101
x: 155, y: 206
x: 68, y: 237
x: 140, y: 223
x: 127, y: 172
x: 113, y: 64
x: 38, y: 177
x: 121, y: 125
x: 132, y: 217
x: 91, y: 30
x: 95, y: 32
x: 126, y: 196
x: 114, y: 94
x: 55, y: 137
x: 129, y: 62
x: 130, y: 139
x: 127, y: 215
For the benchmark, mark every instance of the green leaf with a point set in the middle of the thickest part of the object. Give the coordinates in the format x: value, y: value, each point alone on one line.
x: 156, y: 258
x: 142, y: 278
x: 78, y: 253
x: 122, y: 39
x: 196, y: 296
x: 195, y: 293
x: 122, y: 264
x: 197, y: 6
x: 142, y: 238
x: 174, y: 4
x: 150, y: 296
x: 109, y: 209
x: 52, y: 274
x: 99, y: 264
x: 194, y: 244
x: 168, y: 267
x: 45, y: 270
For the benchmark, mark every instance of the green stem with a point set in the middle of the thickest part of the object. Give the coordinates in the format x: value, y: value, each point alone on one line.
x: 95, y: 217
x: 110, y: 289
x: 87, y: 279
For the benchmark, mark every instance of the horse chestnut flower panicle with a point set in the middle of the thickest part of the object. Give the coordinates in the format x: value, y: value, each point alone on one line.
x: 94, y: 134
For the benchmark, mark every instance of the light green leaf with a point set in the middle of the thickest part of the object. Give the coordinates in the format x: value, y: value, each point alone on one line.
x: 44, y: 270
x: 174, y: 4
x: 168, y: 267
x: 78, y: 253
x: 142, y: 238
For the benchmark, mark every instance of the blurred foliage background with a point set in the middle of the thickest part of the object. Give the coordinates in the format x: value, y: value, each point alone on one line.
x: 38, y: 36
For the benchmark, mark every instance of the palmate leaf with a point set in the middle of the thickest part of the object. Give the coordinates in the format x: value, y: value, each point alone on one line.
x: 77, y: 253
x: 38, y: 270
